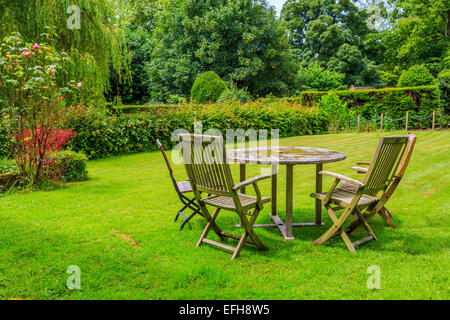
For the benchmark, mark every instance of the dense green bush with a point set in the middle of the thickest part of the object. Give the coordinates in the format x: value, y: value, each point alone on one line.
x: 207, y: 87
x: 417, y: 75
x: 314, y: 77
x: 444, y: 86
x: 233, y: 93
x: 68, y: 166
x: 334, y: 109
x: 99, y: 135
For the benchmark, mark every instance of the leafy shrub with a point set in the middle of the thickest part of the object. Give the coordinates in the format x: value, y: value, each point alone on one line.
x: 417, y: 75
x: 233, y: 93
x: 55, y: 139
x: 334, y: 108
x: 174, y: 99
x: 7, y: 166
x: 100, y: 135
x: 207, y: 87
x: 67, y: 166
x: 392, y: 102
x: 444, y: 86
x: 314, y: 77
x: 33, y: 95
x: 5, y: 139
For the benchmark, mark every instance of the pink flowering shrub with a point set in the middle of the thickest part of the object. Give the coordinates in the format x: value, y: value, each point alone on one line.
x: 32, y: 97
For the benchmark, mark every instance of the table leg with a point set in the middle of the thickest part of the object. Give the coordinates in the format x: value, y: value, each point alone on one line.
x: 289, y: 200
x: 242, y: 175
x: 286, y: 227
x: 274, y: 190
x: 318, y: 190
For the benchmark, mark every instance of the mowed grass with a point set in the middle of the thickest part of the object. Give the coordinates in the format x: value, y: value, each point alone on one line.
x: 43, y: 233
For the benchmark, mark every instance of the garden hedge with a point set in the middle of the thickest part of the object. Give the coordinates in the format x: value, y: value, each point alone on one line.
x: 99, y: 135
x: 392, y: 102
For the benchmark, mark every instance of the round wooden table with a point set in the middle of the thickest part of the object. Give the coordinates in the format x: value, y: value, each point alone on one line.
x: 288, y: 156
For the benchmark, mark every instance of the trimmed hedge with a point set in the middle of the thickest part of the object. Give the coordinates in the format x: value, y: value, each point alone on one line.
x: 392, y: 102
x: 101, y: 136
x: 207, y: 87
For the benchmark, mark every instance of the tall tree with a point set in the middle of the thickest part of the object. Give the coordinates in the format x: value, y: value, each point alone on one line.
x: 331, y: 33
x: 420, y: 35
x: 87, y: 30
x: 240, y: 40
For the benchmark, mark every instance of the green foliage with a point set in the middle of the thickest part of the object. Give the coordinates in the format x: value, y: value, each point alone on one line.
x: 233, y: 93
x: 417, y: 75
x: 388, y: 78
x: 32, y: 99
x: 69, y: 165
x: 7, y: 166
x: 334, y: 109
x: 5, y: 138
x: 418, y: 35
x: 100, y: 136
x: 331, y: 33
x: 444, y: 86
x: 314, y: 77
x: 240, y: 40
x: 137, y: 20
x: 207, y: 87
x: 92, y: 49
x: 392, y: 102
x: 174, y: 99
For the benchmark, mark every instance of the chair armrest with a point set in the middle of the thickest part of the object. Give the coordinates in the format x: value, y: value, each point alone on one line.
x: 363, y: 163
x: 341, y: 177
x: 250, y: 181
x: 360, y: 170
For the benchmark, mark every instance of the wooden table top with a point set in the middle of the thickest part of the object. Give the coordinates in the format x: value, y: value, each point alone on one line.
x: 285, y: 155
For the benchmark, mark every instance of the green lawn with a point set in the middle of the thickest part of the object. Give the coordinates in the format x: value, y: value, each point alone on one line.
x: 43, y: 233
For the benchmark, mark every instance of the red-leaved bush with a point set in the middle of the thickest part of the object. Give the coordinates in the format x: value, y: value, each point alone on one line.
x: 54, y: 139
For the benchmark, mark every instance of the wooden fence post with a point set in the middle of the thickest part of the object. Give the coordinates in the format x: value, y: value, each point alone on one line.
x: 434, y: 119
x: 359, y: 119
x: 407, y: 118
x: 382, y: 116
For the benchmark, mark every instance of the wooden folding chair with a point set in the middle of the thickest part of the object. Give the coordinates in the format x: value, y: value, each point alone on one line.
x: 208, y: 171
x: 365, y: 197
x: 181, y: 189
x: 380, y: 208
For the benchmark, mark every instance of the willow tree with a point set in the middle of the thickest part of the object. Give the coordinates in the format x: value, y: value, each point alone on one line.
x: 87, y: 30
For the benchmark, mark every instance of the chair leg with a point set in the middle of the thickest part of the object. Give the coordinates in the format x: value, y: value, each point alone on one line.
x: 180, y: 213
x: 190, y: 217
x: 335, y: 228
x: 209, y: 225
x: 240, y: 245
x: 214, y: 226
x: 248, y: 225
x: 347, y: 241
x: 386, y: 215
x: 365, y: 224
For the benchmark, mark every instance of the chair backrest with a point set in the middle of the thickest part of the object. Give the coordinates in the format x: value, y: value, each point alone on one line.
x: 407, y: 156
x: 160, y: 146
x: 169, y: 167
x: 384, y: 164
x: 206, y: 163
